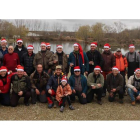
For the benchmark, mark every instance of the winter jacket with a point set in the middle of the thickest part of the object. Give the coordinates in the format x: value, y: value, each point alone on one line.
x: 54, y: 81
x: 109, y: 61
x: 121, y: 62
x: 38, y: 82
x: 20, y: 53
x: 93, y: 80
x: 11, y: 61
x: 114, y: 82
x: 72, y: 59
x: 83, y: 83
x: 20, y: 84
x: 64, y: 63
x: 4, y: 52
x: 96, y: 57
x: 38, y: 59
x: 27, y: 62
x: 62, y: 91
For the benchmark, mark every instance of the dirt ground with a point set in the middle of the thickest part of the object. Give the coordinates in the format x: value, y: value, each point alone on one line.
x: 91, y: 111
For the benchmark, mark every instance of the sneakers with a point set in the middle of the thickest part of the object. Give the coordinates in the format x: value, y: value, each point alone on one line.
x: 61, y: 109
x: 50, y: 105
x: 99, y: 102
x: 71, y: 107
x: 121, y: 101
x: 133, y: 103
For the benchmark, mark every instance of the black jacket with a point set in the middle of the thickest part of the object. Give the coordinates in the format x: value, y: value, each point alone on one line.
x: 27, y: 62
x: 96, y: 57
x: 20, y: 53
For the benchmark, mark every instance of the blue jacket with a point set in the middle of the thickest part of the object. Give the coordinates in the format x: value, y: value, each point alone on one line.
x: 84, y: 67
x: 83, y: 83
x: 4, y: 52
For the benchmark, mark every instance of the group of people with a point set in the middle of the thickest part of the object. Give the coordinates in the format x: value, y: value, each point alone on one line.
x: 43, y: 76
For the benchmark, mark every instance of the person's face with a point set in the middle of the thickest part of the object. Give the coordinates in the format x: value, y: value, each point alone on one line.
x: 39, y: 68
x: 64, y: 83
x: 43, y: 48
x: 48, y: 47
x: 115, y: 72
x: 30, y: 50
x: 58, y: 71
x: 3, y: 73
x: 77, y: 73
x: 3, y: 44
x: 138, y: 74
x: 118, y: 53
x: 10, y: 49
x: 131, y: 50
x: 96, y: 72
x: 106, y: 49
x: 92, y: 47
x: 59, y: 50
x: 19, y: 44
x: 20, y: 73
x: 76, y: 48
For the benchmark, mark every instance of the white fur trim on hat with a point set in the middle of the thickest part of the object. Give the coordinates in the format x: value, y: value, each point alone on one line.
x: 136, y: 71
x: 63, y: 80
x: 77, y: 70
x: 20, y: 41
x: 97, y: 69
x: 115, y: 69
x: 60, y: 47
x: 132, y: 47
x: 30, y: 48
x: 20, y: 70
x: 93, y: 45
x: 75, y: 45
x: 43, y: 44
x: 3, y: 41
x: 3, y: 70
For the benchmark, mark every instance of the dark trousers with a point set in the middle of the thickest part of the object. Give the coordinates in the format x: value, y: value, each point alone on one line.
x: 123, y: 74
x: 98, y: 92
x: 5, y: 99
x: 64, y: 99
x: 120, y: 92
x: 15, y: 98
x: 81, y: 99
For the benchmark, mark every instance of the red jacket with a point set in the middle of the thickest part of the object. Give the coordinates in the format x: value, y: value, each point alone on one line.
x: 6, y: 87
x: 11, y: 61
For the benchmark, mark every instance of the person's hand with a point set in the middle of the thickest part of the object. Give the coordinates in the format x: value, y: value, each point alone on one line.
x: 135, y: 90
x: 37, y: 91
x: 25, y: 73
x: 86, y: 73
x: 20, y: 93
x: 0, y: 91
x: 93, y: 87
x: 111, y: 94
x: 113, y: 90
x: 43, y: 92
x: 10, y: 71
x: 55, y: 61
x: 73, y: 91
x: 50, y: 91
x: 71, y: 64
x: 99, y: 85
x: 84, y: 95
x: 90, y: 62
x: 49, y: 71
x: 138, y: 97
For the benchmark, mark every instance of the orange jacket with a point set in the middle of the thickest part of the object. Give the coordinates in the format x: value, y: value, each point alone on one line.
x: 121, y: 62
x: 62, y: 91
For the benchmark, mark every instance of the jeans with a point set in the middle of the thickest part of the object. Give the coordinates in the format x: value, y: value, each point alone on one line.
x: 133, y: 94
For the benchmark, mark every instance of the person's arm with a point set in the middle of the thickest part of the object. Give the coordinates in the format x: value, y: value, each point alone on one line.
x: 22, y: 60
x: 125, y: 62
x: 18, y: 60
x: 69, y: 91
x: 49, y: 84
x: 28, y: 86
x: 71, y: 82
x: 101, y: 60
x: 51, y: 60
x: 86, y: 62
x: 85, y: 85
x: 113, y: 60
x: 69, y: 59
x: 130, y: 82
x: 121, y: 81
x: 101, y: 82
x: 58, y: 91
x: 32, y: 82
x: 108, y: 83
x: 90, y: 80
x: 34, y: 61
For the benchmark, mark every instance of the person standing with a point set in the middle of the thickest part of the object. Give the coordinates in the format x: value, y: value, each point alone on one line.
x: 27, y: 60
x: 132, y: 59
x: 94, y: 57
x: 109, y: 62
x: 42, y: 57
x: 78, y: 58
x: 3, y: 48
x: 11, y: 59
x: 59, y: 58
x: 20, y: 49
x: 48, y: 45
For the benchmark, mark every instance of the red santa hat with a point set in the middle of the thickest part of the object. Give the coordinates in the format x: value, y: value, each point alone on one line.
x: 77, y: 68
x: 20, y: 68
x: 115, y: 68
x: 43, y: 44
x: 19, y: 40
x: 30, y: 47
x: 80, y: 51
x: 136, y: 70
x: 59, y: 46
x: 107, y: 46
x: 131, y: 46
x: 98, y: 68
x: 3, y: 40
x: 93, y: 44
x: 64, y: 79
x: 48, y: 44
x: 3, y: 68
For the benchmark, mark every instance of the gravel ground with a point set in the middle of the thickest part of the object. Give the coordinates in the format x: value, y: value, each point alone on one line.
x: 91, y: 111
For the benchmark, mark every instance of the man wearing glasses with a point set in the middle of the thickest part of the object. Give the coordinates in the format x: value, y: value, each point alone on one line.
x: 78, y: 84
x: 20, y: 49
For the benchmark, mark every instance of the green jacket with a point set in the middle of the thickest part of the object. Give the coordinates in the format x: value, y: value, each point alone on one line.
x: 20, y: 84
x: 65, y: 62
x: 38, y: 59
x: 91, y: 81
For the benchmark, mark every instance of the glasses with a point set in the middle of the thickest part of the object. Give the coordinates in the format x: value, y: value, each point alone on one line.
x: 77, y: 71
x: 19, y: 42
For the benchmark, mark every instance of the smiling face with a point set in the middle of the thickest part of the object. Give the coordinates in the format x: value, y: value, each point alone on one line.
x: 19, y: 44
x: 3, y: 73
x: 10, y: 49
x: 39, y: 68
x: 59, y: 50
x: 76, y: 48
x: 77, y: 73
x: 92, y: 47
x: 58, y: 71
x: 115, y: 72
x: 131, y: 50
x: 138, y: 74
x: 3, y: 44
x: 20, y: 73
x: 43, y: 48
x: 30, y: 51
x: 96, y: 72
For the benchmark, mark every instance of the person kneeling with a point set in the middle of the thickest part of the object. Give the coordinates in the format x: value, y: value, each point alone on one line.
x: 21, y: 87
x: 95, y: 82
x: 62, y: 94
x: 115, y: 85
x: 134, y: 86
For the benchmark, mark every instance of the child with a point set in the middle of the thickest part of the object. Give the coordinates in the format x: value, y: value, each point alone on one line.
x: 62, y: 94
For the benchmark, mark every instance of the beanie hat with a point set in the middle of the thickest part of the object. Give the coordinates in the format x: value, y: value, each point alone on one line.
x: 30, y: 47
